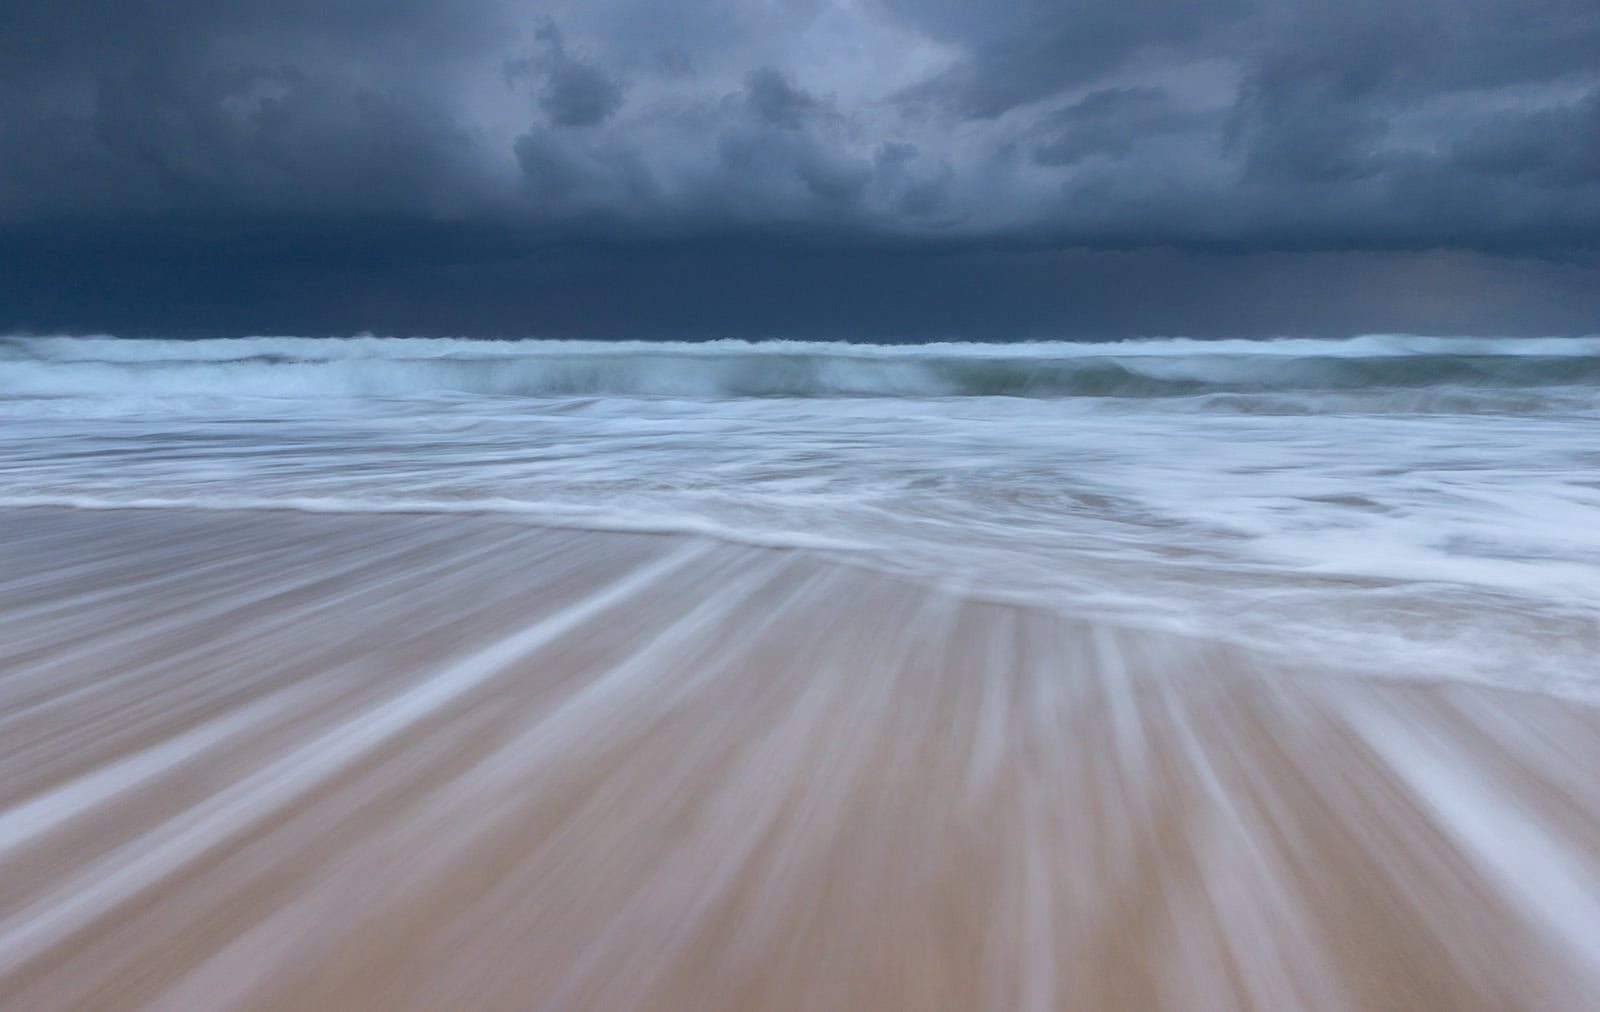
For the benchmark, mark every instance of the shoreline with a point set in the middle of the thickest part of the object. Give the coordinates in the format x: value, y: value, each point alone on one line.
x: 268, y: 760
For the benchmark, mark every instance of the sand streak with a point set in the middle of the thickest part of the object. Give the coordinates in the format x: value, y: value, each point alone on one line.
x: 266, y: 761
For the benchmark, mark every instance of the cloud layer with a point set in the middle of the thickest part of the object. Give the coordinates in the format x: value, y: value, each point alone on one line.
x: 1231, y: 127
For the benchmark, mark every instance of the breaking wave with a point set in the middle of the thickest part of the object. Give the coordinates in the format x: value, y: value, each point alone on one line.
x: 402, y: 367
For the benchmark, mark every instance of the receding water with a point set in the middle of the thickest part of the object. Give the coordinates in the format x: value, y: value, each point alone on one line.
x: 434, y: 673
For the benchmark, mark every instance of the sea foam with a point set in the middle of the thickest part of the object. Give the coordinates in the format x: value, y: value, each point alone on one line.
x: 1427, y: 500
x: 399, y: 367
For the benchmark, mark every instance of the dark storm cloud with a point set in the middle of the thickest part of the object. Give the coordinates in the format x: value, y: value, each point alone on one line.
x: 573, y: 92
x: 1021, y: 52
x: 1557, y: 147
x: 916, y: 128
x: 1106, y: 122
x: 148, y: 108
x: 1327, y: 95
x: 776, y: 100
x: 453, y: 281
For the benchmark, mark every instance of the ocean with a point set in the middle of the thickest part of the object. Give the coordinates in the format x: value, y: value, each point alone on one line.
x: 1156, y: 673
x: 1431, y: 503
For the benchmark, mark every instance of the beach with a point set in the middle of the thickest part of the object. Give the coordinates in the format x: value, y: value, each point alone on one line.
x: 268, y: 759
x: 799, y: 506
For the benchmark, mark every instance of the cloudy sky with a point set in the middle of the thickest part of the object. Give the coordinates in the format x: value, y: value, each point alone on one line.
x: 881, y: 169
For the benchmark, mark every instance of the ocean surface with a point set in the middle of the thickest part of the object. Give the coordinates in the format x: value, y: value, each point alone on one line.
x: 1414, y: 507
x: 438, y: 674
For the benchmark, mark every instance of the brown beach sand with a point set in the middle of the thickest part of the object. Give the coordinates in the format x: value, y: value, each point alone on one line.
x: 281, y: 761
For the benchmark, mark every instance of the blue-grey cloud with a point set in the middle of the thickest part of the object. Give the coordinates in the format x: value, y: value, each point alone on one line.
x: 572, y: 91
x: 776, y: 100
x: 1240, y: 127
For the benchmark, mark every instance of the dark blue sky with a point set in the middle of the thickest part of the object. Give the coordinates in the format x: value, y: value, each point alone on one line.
x: 890, y: 169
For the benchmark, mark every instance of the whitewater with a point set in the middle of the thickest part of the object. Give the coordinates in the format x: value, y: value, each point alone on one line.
x: 417, y: 672
x: 1430, y: 498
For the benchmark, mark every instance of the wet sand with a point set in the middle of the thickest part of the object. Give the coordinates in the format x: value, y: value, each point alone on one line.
x: 293, y: 761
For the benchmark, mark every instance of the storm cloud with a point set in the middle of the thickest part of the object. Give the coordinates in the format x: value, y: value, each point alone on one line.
x: 335, y: 164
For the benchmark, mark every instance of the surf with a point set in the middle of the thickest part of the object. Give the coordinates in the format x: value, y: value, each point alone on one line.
x: 367, y: 366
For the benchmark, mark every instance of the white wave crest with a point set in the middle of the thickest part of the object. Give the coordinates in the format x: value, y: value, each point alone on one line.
x: 367, y: 366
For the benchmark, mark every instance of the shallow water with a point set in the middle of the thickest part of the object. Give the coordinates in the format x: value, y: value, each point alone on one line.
x: 1257, y: 681
x: 1429, y: 501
